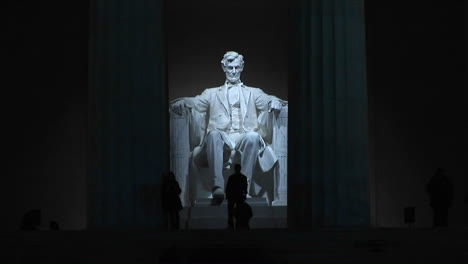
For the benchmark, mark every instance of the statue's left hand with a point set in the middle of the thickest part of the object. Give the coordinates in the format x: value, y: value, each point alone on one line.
x: 275, y: 105
x: 178, y: 107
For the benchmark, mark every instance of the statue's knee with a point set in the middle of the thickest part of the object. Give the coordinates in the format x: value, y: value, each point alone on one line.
x: 252, y: 138
x: 214, y: 134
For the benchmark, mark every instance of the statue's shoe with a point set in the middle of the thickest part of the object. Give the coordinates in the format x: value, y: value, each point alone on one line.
x: 218, y: 193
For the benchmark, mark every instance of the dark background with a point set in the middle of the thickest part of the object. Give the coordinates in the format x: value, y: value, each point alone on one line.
x: 417, y: 82
x: 200, y: 32
x: 44, y: 108
x: 418, y: 105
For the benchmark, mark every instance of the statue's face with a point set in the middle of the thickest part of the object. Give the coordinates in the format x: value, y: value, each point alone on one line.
x: 233, y: 70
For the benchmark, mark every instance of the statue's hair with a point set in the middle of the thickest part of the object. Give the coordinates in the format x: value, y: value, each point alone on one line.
x: 230, y: 56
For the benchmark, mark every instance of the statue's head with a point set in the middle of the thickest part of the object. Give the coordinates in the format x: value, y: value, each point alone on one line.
x: 232, y: 64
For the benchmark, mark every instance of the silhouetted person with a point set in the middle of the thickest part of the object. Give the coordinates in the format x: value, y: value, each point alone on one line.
x: 31, y: 220
x: 243, y: 213
x: 236, y: 191
x: 440, y: 191
x: 54, y: 225
x: 170, y: 199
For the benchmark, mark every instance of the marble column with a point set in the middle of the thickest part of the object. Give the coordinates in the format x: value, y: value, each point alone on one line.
x: 128, y: 117
x: 328, y: 137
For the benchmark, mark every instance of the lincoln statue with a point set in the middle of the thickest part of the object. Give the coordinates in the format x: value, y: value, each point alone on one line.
x: 235, y: 124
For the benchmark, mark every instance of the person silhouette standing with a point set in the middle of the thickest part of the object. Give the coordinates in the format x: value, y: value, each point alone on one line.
x: 31, y: 220
x: 236, y: 191
x: 170, y: 199
x: 440, y: 191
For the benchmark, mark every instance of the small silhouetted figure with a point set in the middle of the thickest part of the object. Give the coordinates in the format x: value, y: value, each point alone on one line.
x: 440, y: 191
x: 243, y: 213
x: 236, y: 191
x: 170, y: 199
x: 54, y: 226
x: 31, y: 220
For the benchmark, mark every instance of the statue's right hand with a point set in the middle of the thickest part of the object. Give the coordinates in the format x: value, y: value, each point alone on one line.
x: 178, y: 107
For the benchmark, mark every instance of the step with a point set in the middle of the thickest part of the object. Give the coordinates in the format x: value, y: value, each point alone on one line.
x: 254, y: 201
x: 215, y: 217
x: 221, y: 223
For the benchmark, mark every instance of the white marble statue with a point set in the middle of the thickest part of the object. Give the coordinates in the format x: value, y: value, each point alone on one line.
x: 231, y: 122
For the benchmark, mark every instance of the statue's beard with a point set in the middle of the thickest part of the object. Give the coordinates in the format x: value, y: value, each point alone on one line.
x: 233, y: 78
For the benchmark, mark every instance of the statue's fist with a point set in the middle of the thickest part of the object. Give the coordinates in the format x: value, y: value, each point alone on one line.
x: 178, y: 107
x: 275, y: 105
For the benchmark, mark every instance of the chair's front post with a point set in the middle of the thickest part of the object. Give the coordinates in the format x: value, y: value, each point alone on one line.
x: 280, y: 145
x: 180, y: 152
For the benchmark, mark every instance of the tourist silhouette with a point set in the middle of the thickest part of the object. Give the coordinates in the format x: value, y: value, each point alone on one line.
x: 440, y: 191
x: 31, y: 220
x: 243, y: 213
x: 171, y: 203
x: 236, y: 191
x: 54, y: 225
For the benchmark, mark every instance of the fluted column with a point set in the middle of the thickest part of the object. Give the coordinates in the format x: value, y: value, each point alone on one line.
x: 128, y: 117
x: 328, y: 142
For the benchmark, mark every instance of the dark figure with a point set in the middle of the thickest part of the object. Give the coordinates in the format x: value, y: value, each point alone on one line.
x: 236, y: 191
x: 54, y: 225
x: 170, y: 199
x: 31, y: 220
x: 243, y: 213
x: 440, y: 191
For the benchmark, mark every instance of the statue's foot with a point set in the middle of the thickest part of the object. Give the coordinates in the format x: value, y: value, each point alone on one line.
x: 218, y: 193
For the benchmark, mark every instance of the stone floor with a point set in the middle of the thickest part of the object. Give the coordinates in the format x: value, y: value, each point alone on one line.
x: 223, y: 246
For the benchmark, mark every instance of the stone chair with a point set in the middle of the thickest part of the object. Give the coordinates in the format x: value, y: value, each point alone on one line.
x: 271, y: 185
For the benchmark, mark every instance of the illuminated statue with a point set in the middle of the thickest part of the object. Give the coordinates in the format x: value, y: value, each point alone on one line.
x: 231, y: 122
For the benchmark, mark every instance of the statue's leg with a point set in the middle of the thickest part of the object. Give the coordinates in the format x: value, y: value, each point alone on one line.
x: 214, y: 147
x: 248, y: 146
